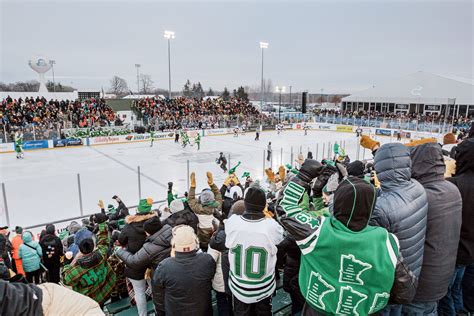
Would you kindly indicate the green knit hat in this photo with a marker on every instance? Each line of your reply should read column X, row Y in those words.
column 111, row 209
column 144, row 206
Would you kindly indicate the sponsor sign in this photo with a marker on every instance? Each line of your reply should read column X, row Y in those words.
column 435, row 108
column 163, row 135
column 402, row 106
column 209, row 132
column 35, row 144
column 385, row 132
column 67, row 142
column 344, row 128
column 137, row 137
column 6, row 147
column 107, row 139
column 405, row 134
column 325, row 126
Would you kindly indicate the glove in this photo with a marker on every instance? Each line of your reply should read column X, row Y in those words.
column 210, row 180
column 235, row 179
column 193, row 180
column 450, row 167
column 375, row 179
column 270, row 175
column 369, row 143
column 101, row 204
column 322, row 180
column 414, row 143
column 309, row 170
column 282, row 173
column 100, row 218
column 227, row 181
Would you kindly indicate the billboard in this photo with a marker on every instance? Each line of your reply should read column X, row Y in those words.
column 35, row 144
column 344, row 128
column 67, row 142
column 385, row 132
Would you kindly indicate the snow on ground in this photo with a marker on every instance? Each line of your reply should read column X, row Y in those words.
column 44, row 186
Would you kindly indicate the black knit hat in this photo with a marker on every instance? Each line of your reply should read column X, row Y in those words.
column 354, row 201
column 255, row 200
column 86, row 246
column 152, row 225
column 356, row 169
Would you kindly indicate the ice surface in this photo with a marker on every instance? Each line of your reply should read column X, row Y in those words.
column 43, row 187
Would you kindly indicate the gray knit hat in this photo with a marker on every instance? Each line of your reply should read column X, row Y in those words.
column 207, row 197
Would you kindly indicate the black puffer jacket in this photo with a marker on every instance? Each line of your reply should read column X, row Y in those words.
column 289, row 248
column 156, row 248
column 443, row 225
column 182, row 285
column 20, row 299
column 133, row 237
column 184, row 217
column 402, row 206
column 464, row 180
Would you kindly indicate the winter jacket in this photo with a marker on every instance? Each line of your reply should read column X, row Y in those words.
column 92, row 275
column 52, row 248
column 30, row 253
column 120, row 212
column 17, row 241
column 59, row 300
column 402, row 205
column 186, row 217
column 217, row 243
column 133, row 237
column 20, row 299
column 443, row 223
column 205, row 214
column 156, row 248
column 218, row 280
column 182, row 284
column 290, row 248
column 464, row 180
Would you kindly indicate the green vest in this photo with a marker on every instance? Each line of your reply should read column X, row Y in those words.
column 347, row 273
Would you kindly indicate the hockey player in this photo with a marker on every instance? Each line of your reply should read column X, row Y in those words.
column 269, row 151
column 356, row 277
column 197, row 141
column 184, row 138
column 252, row 239
column 257, row 134
column 236, row 132
column 151, row 138
column 176, row 136
column 305, row 128
column 278, row 128
column 19, row 145
column 222, row 161
column 358, row 132
column 399, row 135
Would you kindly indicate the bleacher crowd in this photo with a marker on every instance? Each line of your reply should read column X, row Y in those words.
column 389, row 237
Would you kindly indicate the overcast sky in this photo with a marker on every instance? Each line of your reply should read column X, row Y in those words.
column 341, row 46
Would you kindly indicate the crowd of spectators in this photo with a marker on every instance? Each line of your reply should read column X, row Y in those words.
column 195, row 113
column 402, row 226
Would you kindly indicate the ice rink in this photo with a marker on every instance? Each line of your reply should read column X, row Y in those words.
column 44, row 186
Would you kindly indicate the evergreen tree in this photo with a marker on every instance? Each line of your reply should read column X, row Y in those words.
column 225, row 95
column 241, row 94
column 187, row 89
column 210, row 93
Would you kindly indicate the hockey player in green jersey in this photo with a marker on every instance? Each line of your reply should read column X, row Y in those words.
column 152, row 138
column 184, row 139
column 347, row 267
column 197, row 140
column 19, row 145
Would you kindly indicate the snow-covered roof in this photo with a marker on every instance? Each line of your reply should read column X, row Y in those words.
column 46, row 95
column 420, row 87
column 142, row 96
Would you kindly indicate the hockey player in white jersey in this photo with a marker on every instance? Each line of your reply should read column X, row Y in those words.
column 252, row 239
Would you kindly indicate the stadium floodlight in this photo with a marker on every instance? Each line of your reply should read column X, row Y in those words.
column 52, row 63
column 263, row 45
column 169, row 35
column 280, row 90
column 138, row 77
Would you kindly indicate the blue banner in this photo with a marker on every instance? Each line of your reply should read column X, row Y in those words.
column 67, row 142
column 385, row 132
column 35, row 144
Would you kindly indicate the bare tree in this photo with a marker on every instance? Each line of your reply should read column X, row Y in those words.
column 146, row 84
column 118, row 86
column 268, row 90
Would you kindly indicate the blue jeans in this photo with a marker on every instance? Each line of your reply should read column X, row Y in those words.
column 468, row 288
column 452, row 302
column 420, row 309
column 391, row 310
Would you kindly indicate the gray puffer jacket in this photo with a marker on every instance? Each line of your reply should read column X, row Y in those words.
column 156, row 248
column 402, row 206
column 443, row 226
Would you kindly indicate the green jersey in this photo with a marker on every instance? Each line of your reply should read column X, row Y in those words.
column 342, row 272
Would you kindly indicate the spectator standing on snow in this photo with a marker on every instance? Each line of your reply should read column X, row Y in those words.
column 17, row 241
column 30, row 254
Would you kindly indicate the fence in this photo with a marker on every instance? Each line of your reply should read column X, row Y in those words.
column 72, row 196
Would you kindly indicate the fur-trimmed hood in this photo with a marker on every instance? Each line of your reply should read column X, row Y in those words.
column 139, row 217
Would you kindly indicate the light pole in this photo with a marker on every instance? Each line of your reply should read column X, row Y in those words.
column 290, row 96
column 279, row 90
column 169, row 35
column 52, row 63
column 321, row 98
column 138, row 77
column 263, row 45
